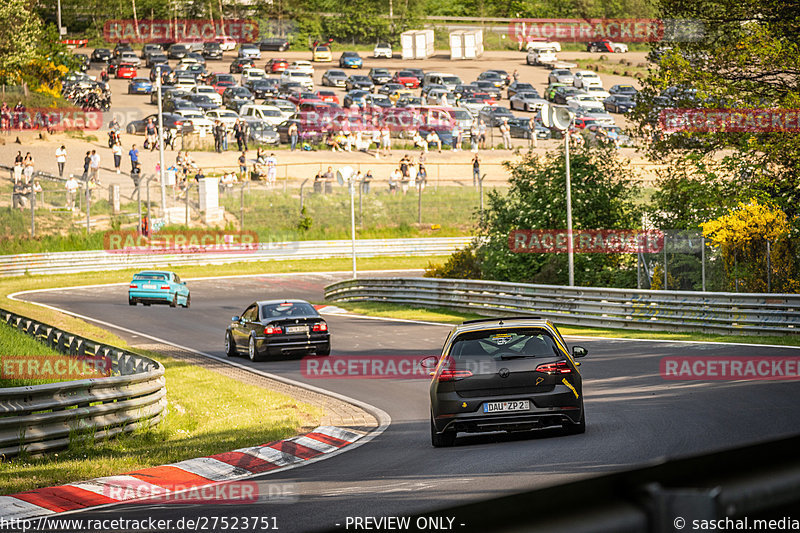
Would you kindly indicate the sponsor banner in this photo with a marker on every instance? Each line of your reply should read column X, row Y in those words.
column 386, row 367
column 599, row 241
column 236, row 492
column 730, row 368
column 54, row 367
column 179, row 30
column 585, row 30
column 58, row 119
column 730, row 120
column 186, row 241
column 373, row 118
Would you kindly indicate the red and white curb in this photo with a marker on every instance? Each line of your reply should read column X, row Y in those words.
column 203, row 471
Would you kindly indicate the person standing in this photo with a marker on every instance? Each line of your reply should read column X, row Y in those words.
column 72, row 187
column 218, row 136
column 473, row 137
column 27, row 170
column 534, row 140
column 61, row 160
column 117, row 151
column 18, row 166
column 87, row 162
column 386, row 139
column 133, row 153
column 456, row 134
column 505, row 131
column 292, row 131
column 482, row 135
column 243, row 165
column 272, row 169
column 94, row 166
column 422, row 176
column 476, row 170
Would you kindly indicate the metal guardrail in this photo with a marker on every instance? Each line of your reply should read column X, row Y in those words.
column 41, row 418
column 87, row 261
column 711, row 312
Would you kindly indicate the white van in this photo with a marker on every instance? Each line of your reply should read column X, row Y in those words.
column 254, row 113
column 541, row 56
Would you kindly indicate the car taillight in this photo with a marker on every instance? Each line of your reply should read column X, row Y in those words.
column 273, row 330
column 133, row 286
column 453, row 375
column 322, row 326
column 559, row 367
column 165, row 287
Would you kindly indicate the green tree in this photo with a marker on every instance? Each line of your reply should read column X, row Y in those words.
column 602, row 198
column 20, row 32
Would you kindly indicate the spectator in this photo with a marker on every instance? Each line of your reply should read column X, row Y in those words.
column 169, row 140
column 218, row 136
column 318, row 181
column 505, row 131
column 473, row 137
column 404, row 166
column 61, row 160
column 87, row 163
column 422, row 176
column 515, row 75
column 37, row 188
column 117, row 151
column 412, row 173
column 199, row 176
column 243, row 165
column 433, row 138
column 292, row 131
column 133, row 153
column 72, row 187
column 613, row 137
column 419, row 141
column 114, row 125
column 272, row 169
column 19, row 195
column 476, row 170
column 224, row 138
column 394, row 177
column 328, row 177
column 365, row 181
column 27, row 170
column 386, row 139
column 534, row 140
column 239, row 133
column 456, row 133
column 482, row 135
column 94, row 166
column 18, row 166
column 150, row 132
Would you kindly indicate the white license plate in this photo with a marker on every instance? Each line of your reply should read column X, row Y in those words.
column 516, row 405
column 149, row 286
column 296, row 329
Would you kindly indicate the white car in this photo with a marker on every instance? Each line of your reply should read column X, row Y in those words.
column 254, row 113
column 302, row 66
column 541, row 56
column 597, row 91
column 252, row 73
column 209, row 91
column 584, row 100
column 130, row 58
column 473, row 105
column 286, row 107
column 187, row 61
column 185, row 82
column 226, row 43
column 543, row 43
column 226, row 116
column 249, row 51
column 585, row 78
column 198, row 120
column 382, row 50
column 302, row 78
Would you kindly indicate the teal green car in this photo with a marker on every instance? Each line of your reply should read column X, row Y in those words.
column 158, row 287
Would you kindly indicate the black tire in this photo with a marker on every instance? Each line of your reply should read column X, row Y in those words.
column 230, row 345
column 130, row 129
column 146, row 305
column 131, row 301
column 188, row 301
column 174, row 302
column 324, row 351
column 252, row 351
column 442, row 440
column 580, row 427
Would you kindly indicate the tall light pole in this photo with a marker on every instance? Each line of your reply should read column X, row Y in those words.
column 161, row 146
column 346, row 174
column 570, row 249
column 59, row 19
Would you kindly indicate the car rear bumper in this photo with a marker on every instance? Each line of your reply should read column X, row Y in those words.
column 150, row 297
column 275, row 347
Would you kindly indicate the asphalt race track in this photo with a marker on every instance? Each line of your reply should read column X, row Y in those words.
column 633, row 415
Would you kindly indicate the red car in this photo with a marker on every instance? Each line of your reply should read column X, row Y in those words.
column 221, row 81
column 406, row 79
column 277, row 65
column 582, row 122
column 328, row 96
column 126, row 71
column 296, row 98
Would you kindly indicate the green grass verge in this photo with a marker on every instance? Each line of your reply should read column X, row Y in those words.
column 449, row 316
column 226, row 416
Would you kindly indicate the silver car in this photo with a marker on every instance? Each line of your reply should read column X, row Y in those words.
column 526, row 102
column 561, row 75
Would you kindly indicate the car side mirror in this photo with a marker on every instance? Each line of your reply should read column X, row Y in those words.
column 235, row 318
column 429, row 363
column 579, row 351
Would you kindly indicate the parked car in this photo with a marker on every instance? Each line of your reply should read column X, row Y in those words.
column 197, row 119
column 354, row 97
column 520, row 128
column 254, row 114
column 328, row 96
column 541, row 56
column 297, row 76
column 263, row 88
column 171, row 122
column 177, row 51
column 526, row 102
column 597, row 91
column 561, row 75
column 125, row 70
column 276, row 65
column 221, row 81
column 163, row 70
column 239, row 64
column 263, row 133
column 350, row 60
column 358, row 81
column 378, row 100
column 102, row 55
column 130, row 58
column 494, row 115
column 226, row 43
column 605, row 45
column 584, row 78
column 630, row 90
column 122, row 47
column 521, row 87
column 379, row 76
column 407, row 78
column 286, row 107
column 235, row 97
column 226, row 116
column 140, row 86
column 209, row 91
column 584, row 100
column 249, row 51
column 274, row 44
column 382, row 50
column 322, row 53
column 158, row 287
column 151, row 48
column 204, row 101
column 334, row 78
column 619, row 103
column 156, row 58
column 562, row 93
column 212, row 50
column 252, row 73
column 492, row 77
column 301, row 66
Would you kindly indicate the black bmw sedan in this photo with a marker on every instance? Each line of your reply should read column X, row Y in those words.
column 508, row 374
column 277, row 327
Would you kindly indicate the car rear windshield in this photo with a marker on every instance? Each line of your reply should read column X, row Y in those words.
column 143, row 277
column 287, row 309
column 532, row 342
